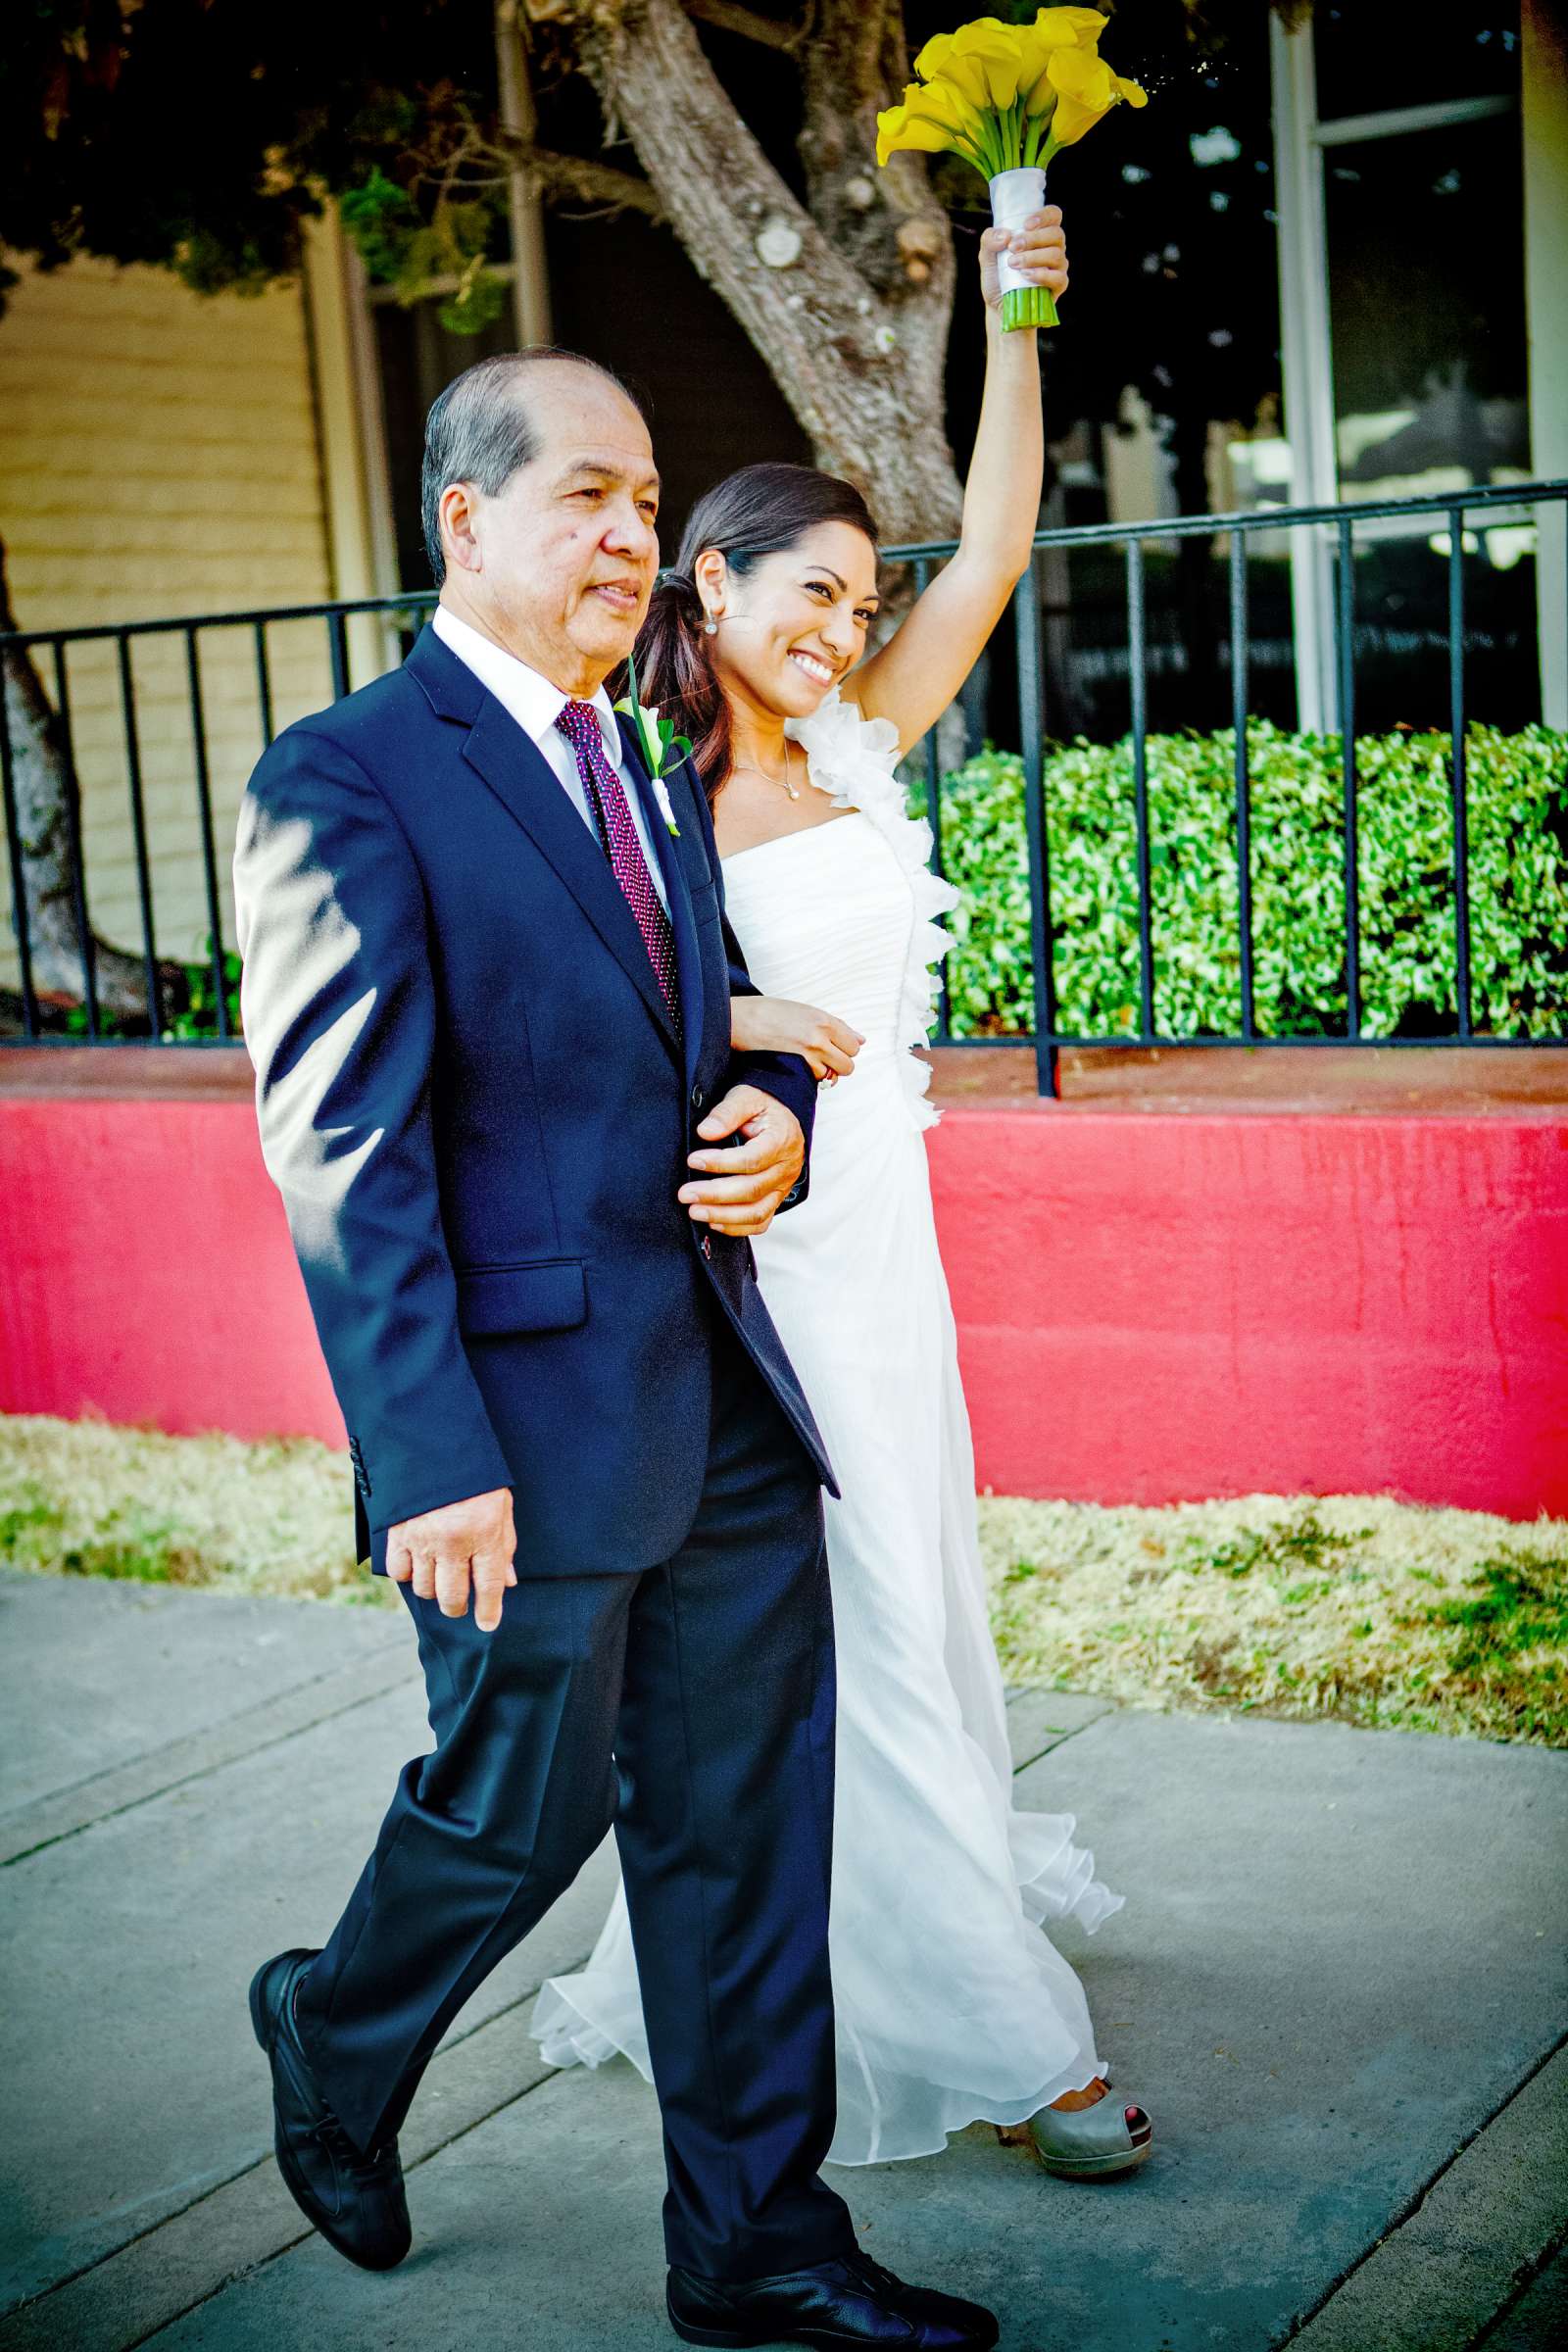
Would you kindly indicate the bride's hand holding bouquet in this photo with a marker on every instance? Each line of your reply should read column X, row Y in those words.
column 1005, row 99
column 1033, row 253
column 1008, row 98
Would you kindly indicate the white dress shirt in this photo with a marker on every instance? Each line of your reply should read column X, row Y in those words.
column 536, row 705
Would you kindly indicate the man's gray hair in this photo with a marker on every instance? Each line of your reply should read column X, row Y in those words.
column 479, row 431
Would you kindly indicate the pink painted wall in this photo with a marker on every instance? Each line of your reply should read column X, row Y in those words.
column 1160, row 1308
column 1153, row 1306
column 146, row 1272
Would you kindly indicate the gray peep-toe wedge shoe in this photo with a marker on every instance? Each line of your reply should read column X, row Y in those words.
column 1087, row 2143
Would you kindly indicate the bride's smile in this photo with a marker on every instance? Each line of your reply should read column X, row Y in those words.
column 791, row 627
column 813, row 669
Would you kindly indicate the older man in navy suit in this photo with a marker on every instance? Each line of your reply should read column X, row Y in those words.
column 487, row 991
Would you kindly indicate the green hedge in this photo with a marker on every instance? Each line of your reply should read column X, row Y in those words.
column 1518, row 824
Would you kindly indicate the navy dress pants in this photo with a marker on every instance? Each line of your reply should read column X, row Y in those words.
column 691, row 1705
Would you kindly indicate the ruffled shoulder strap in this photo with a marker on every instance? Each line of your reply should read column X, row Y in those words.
column 851, row 758
column 855, row 760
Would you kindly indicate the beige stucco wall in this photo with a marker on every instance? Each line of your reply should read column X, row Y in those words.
column 159, row 456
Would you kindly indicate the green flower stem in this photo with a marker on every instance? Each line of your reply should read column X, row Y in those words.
column 999, row 142
column 1028, row 306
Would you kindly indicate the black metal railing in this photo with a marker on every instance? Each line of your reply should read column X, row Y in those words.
column 401, row 611
column 1337, row 523
column 1047, row 1038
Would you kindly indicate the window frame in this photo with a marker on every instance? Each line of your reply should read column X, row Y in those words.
column 1306, row 342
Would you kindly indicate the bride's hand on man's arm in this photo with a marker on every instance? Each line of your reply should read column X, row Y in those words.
column 776, row 1025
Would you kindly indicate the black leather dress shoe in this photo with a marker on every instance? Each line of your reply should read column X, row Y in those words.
column 850, row 2301
column 355, row 2200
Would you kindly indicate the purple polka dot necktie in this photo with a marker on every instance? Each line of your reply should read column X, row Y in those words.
column 607, row 798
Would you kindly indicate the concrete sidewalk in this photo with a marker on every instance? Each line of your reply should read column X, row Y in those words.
column 1338, row 1985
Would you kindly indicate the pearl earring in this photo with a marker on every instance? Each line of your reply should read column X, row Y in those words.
column 710, row 627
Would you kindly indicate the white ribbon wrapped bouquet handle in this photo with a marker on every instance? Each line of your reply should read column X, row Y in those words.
column 1015, row 195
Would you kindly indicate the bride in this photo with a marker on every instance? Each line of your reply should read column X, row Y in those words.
column 951, row 2004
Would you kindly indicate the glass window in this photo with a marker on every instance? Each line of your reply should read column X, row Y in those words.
column 1374, row 58
column 417, row 357
column 1426, row 317
column 1427, row 312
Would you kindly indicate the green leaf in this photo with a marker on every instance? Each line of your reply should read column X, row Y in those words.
column 1519, row 884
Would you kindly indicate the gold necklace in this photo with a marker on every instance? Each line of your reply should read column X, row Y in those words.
column 748, row 769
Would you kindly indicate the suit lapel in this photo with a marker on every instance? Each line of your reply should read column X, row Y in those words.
column 525, row 782
column 528, row 788
column 688, row 953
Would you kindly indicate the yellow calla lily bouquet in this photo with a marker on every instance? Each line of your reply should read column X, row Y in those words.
column 1006, row 98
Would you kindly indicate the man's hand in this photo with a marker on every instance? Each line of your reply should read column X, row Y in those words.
column 757, row 1175
column 440, row 1549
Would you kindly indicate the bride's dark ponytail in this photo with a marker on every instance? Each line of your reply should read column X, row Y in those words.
column 674, row 671
column 752, row 514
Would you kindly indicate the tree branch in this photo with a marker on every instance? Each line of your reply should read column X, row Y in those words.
column 652, row 75
column 857, row 370
column 746, row 22
column 846, row 51
column 887, row 222
column 578, row 178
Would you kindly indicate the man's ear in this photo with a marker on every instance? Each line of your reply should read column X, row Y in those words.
column 459, row 538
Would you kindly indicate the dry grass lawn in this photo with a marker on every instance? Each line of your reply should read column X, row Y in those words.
column 90, row 1498
column 1354, row 1606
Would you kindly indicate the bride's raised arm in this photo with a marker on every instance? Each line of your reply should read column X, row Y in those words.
column 915, row 676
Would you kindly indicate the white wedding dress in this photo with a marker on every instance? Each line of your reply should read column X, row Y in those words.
column 951, row 2004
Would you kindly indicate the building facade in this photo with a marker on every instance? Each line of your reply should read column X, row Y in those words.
column 161, row 453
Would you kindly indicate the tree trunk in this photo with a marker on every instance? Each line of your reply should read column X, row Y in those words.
column 848, row 303
column 48, row 822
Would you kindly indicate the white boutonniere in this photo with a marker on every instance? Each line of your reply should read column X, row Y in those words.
column 661, row 747
column 665, row 810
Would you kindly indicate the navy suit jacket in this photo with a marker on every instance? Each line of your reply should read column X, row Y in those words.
column 473, row 1099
